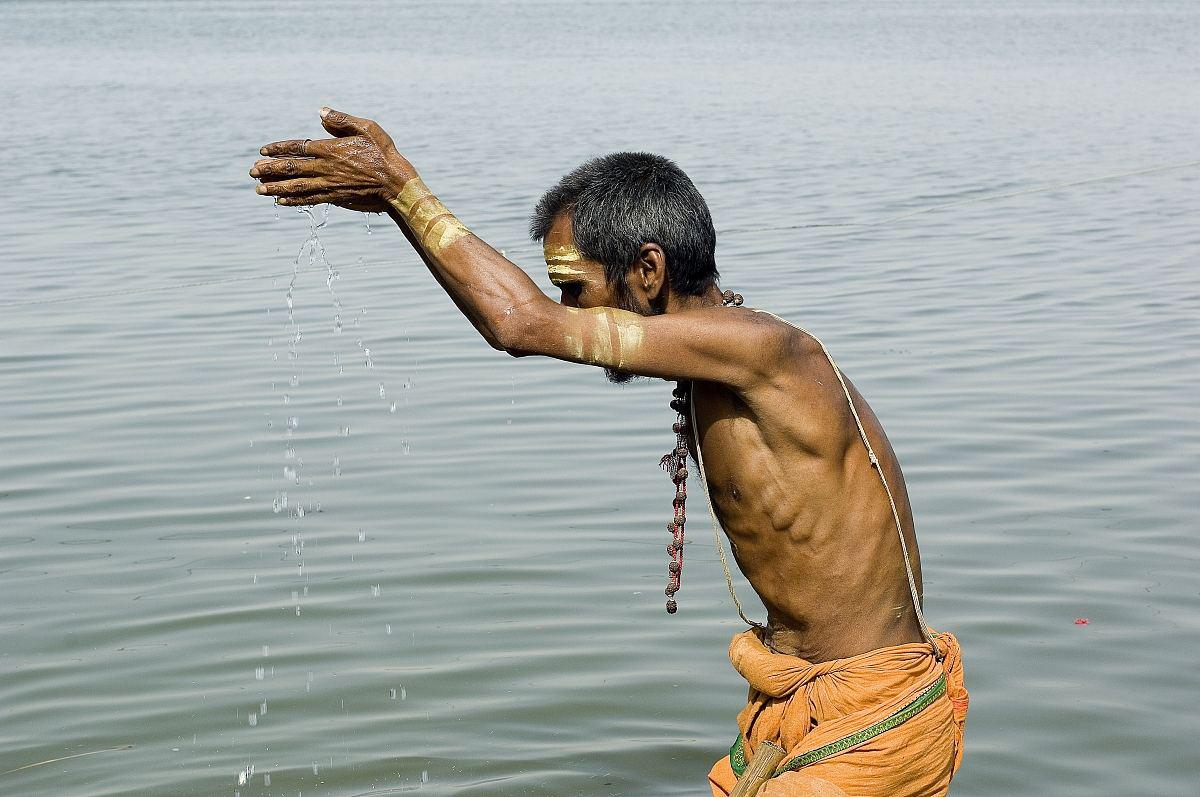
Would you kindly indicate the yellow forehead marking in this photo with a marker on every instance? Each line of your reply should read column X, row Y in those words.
column 562, row 254
column 563, row 273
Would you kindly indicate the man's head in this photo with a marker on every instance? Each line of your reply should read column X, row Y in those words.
column 626, row 230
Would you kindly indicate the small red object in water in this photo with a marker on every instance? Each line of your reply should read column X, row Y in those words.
column 1082, row 621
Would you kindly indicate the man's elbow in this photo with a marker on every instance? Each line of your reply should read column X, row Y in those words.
column 516, row 333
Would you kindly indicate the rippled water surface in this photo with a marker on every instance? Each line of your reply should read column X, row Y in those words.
column 471, row 602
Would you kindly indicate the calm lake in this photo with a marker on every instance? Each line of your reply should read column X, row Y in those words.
column 389, row 559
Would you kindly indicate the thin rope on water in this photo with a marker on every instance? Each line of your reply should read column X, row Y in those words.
column 849, row 225
column 67, row 758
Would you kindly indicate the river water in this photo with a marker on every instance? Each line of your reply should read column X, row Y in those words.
column 472, row 600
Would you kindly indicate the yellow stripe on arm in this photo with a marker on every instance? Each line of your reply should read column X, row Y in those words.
column 603, row 336
column 725, row 345
column 431, row 222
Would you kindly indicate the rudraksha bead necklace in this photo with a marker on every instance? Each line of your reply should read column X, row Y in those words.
column 674, row 463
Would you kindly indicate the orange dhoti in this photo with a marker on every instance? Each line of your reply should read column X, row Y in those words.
column 888, row 722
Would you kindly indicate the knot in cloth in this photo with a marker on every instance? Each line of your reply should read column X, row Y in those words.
column 792, row 698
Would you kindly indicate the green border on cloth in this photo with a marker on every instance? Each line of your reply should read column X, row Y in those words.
column 737, row 753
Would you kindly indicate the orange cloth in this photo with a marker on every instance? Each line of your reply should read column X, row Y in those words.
column 802, row 706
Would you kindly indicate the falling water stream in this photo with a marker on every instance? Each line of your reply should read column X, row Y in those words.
column 298, row 495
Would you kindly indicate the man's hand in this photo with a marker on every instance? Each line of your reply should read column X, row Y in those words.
column 360, row 169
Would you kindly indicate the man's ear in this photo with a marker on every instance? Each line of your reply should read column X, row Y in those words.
column 650, row 271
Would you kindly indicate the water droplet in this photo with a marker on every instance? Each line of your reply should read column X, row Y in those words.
column 391, row 694
column 392, row 409
column 337, row 467
column 266, row 778
column 382, row 391
column 262, row 709
column 388, row 627
column 266, row 650
column 362, row 535
column 253, row 720
column 403, row 693
column 260, row 673
column 375, row 590
column 424, row 775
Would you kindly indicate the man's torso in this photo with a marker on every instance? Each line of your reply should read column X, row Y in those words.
column 807, row 516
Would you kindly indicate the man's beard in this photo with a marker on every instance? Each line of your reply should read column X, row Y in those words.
column 625, row 301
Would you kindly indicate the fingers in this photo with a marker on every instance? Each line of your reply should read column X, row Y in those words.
column 269, row 169
column 295, row 148
column 312, row 199
column 343, row 124
column 290, row 188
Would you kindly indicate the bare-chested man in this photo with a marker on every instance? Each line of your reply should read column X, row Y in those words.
column 849, row 692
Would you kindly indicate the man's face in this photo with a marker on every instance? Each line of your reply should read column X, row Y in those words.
column 583, row 282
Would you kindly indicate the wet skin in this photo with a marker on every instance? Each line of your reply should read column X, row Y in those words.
column 808, row 520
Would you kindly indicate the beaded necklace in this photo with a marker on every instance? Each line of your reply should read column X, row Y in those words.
column 674, row 463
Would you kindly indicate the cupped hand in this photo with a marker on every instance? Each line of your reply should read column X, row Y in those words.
column 359, row 169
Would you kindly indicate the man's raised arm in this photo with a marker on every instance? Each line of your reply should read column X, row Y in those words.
column 361, row 169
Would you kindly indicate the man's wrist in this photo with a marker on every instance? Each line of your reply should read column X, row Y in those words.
column 398, row 172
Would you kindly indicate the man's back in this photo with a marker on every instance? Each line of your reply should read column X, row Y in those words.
column 807, row 517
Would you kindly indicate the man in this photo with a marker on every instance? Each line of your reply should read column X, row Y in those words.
column 845, row 679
